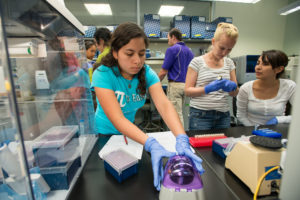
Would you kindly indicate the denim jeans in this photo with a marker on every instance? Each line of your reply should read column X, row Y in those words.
column 208, row 119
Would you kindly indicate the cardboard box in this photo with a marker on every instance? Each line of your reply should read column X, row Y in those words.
column 152, row 25
column 182, row 23
column 89, row 31
column 210, row 29
column 198, row 27
column 164, row 34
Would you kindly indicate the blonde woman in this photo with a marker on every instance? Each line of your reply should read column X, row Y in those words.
column 210, row 80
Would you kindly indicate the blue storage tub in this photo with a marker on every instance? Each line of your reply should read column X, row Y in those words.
column 60, row 177
column 120, row 164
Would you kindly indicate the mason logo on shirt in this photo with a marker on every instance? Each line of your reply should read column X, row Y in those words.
column 123, row 98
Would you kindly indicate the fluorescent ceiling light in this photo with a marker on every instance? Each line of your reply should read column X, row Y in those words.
column 98, row 9
column 293, row 7
column 240, row 1
column 170, row 11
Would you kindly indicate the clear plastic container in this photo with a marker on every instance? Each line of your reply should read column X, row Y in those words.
column 120, row 164
column 46, row 157
column 55, row 137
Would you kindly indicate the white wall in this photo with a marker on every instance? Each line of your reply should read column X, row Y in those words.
column 260, row 26
column 291, row 43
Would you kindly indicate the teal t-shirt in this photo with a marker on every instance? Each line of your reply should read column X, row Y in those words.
column 126, row 93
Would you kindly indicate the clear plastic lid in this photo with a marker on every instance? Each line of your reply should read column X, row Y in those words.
column 55, row 137
column 120, row 160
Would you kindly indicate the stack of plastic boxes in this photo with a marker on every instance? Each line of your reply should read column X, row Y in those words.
column 89, row 31
column 182, row 23
column 198, row 25
column 57, row 154
column 152, row 25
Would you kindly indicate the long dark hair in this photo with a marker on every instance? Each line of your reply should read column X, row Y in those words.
column 88, row 44
column 104, row 34
column 122, row 36
column 276, row 59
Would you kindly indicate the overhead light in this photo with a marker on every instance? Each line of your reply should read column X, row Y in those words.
column 240, row 1
column 170, row 11
column 293, row 7
column 98, row 9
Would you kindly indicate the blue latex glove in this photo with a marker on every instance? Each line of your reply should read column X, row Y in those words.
column 272, row 121
column 229, row 86
column 183, row 148
column 157, row 153
column 214, row 86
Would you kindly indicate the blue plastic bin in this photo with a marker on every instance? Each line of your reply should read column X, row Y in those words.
column 120, row 164
column 60, row 177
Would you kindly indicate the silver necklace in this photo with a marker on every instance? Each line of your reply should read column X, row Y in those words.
column 129, row 84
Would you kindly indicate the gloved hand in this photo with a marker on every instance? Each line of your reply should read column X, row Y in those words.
column 214, row 86
column 272, row 121
column 229, row 86
column 183, row 148
column 157, row 153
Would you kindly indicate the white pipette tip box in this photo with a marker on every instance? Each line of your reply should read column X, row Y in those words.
column 120, row 164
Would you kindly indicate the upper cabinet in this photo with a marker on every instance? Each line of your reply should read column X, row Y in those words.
column 46, row 106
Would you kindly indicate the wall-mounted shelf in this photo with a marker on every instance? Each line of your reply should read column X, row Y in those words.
column 154, row 61
column 190, row 40
column 164, row 40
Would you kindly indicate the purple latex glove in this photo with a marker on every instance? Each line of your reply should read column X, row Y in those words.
column 214, row 86
column 229, row 86
column 272, row 121
column 157, row 153
column 183, row 148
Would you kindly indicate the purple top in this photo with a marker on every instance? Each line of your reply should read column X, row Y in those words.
column 180, row 173
column 177, row 60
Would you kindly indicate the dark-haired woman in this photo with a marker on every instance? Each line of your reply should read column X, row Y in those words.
column 263, row 100
column 90, row 49
column 102, row 37
column 121, row 84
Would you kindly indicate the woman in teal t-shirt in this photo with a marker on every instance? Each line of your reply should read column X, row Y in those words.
column 121, row 84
